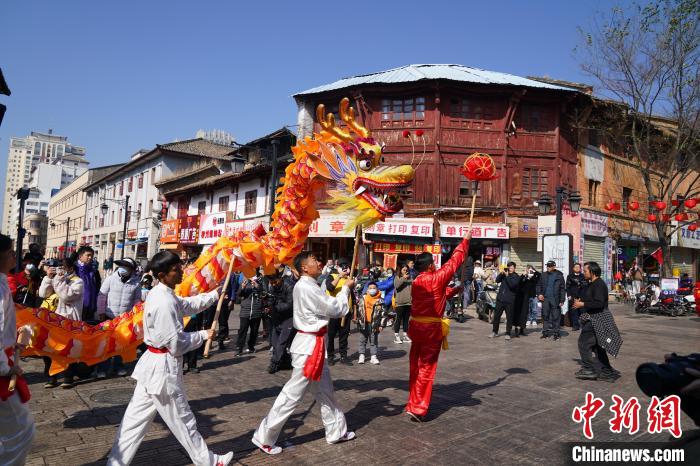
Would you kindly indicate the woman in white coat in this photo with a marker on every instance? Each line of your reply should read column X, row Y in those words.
column 69, row 288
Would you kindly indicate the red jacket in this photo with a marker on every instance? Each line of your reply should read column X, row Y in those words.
column 16, row 281
column 429, row 295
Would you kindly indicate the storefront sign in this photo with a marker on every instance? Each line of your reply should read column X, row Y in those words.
column 521, row 227
column 390, row 261
column 189, row 229
column 546, row 225
column 331, row 226
column 403, row 227
column 688, row 239
column 248, row 224
column 397, row 248
column 131, row 234
column 479, row 230
column 144, row 232
column 594, row 224
column 169, row 231
column 211, row 227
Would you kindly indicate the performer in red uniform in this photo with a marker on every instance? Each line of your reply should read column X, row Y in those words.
column 426, row 328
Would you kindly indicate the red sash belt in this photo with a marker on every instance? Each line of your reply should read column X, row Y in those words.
column 314, row 364
column 153, row 349
column 21, row 387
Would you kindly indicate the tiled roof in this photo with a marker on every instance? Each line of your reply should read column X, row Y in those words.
column 212, row 181
column 199, row 146
column 412, row 73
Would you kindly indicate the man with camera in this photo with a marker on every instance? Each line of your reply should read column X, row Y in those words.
column 339, row 326
column 280, row 298
column 251, row 313
column 505, row 301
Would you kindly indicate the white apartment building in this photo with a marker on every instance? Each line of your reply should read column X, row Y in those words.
column 106, row 197
column 66, row 226
column 24, row 156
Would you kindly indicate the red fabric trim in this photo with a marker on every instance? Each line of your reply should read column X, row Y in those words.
column 314, row 363
column 21, row 387
column 157, row 350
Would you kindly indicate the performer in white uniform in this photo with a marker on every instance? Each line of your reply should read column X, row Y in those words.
column 158, row 373
column 312, row 310
column 16, row 422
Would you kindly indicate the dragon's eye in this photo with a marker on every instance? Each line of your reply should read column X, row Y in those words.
column 365, row 164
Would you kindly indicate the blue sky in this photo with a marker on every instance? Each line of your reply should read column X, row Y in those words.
column 122, row 75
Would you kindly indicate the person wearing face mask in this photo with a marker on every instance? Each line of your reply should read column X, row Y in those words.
column 387, row 287
column 368, row 318
column 119, row 293
column 339, row 326
column 529, row 290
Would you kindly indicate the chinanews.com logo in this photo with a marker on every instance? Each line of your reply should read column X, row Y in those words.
column 660, row 416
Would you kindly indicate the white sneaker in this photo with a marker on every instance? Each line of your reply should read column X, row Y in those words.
column 493, row 335
column 374, row 360
column 345, row 438
column 406, row 339
column 269, row 449
column 361, row 360
column 397, row 339
column 223, row 460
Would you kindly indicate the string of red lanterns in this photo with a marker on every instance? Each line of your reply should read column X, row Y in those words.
column 633, row 206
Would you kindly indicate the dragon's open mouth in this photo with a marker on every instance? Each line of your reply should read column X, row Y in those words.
column 384, row 197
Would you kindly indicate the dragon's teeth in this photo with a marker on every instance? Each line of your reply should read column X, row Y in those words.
column 360, row 190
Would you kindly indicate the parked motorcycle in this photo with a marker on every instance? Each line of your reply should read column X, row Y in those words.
column 455, row 309
column 650, row 301
column 486, row 302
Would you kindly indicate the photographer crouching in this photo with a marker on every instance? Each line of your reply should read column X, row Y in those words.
column 279, row 300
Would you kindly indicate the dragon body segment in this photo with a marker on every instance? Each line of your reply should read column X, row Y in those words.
column 345, row 161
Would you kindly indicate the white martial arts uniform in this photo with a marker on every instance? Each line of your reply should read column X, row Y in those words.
column 160, row 387
column 16, row 421
column 312, row 309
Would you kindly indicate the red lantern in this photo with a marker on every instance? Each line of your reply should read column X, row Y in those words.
column 406, row 133
column 674, row 203
column 679, row 217
column 692, row 227
column 609, row 206
column 666, row 217
column 691, row 203
column 660, row 205
column 652, row 217
column 479, row 167
column 419, row 132
column 634, row 205
column 617, row 206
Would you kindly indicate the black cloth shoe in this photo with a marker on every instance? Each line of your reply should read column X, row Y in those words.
column 586, row 375
column 68, row 382
column 222, row 346
column 194, row 370
column 272, row 368
column 345, row 361
column 544, row 335
column 556, row 337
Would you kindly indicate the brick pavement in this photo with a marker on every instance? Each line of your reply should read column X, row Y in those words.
column 494, row 401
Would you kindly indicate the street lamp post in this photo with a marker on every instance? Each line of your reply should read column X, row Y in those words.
column 562, row 195
column 104, row 208
column 65, row 244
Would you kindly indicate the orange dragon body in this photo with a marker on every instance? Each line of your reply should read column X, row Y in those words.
column 345, row 161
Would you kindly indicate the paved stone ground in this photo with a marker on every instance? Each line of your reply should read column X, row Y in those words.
column 494, row 401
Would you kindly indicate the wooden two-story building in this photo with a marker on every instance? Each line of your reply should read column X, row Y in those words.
column 524, row 124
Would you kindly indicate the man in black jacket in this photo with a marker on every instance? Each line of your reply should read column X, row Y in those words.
column 281, row 319
column 592, row 304
column 575, row 283
column 551, row 292
column 251, row 313
column 505, row 300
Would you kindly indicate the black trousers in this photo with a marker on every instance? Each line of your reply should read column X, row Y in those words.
column 403, row 314
column 593, row 356
column 334, row 328
column 500, row 307
column 574, row 316
column 223, row 323
column 195, row 324
column 282, row 335
column 551, row 318
column 248, row 324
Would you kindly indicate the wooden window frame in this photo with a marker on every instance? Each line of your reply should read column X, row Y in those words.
column 409, row 110
column 542, row 182
column 223, row 203
column 250, row 205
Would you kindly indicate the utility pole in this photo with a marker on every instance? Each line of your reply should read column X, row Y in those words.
column 126, row 222
column 65, row 246
column 273, row 181
column 22, row 195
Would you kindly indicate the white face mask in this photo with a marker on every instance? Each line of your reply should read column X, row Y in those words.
column 372, row 292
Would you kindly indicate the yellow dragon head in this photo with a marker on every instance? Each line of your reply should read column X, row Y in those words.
column 350, row 161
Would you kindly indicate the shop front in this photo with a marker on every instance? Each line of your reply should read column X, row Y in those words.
column 329, row 239
column 170, row 236
column 684, row 253
column 487, row 243
column 189, row 235
column 397, row 240
column 522, row 247
column 635, row 240
column 594, row 228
